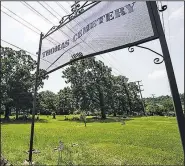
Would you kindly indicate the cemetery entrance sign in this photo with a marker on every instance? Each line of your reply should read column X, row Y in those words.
column 97, row 27
column 105, row 27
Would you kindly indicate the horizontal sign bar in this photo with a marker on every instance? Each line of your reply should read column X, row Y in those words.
column 106, row 27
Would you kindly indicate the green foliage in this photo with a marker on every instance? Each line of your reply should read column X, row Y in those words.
column 89, row 80
column 47, row 102
column 65, row 101
column 93, row 89
column 17, row 83
column 154, row 109
column 182, row 98
column 162, row 105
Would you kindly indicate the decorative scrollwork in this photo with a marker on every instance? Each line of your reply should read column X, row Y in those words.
column 77, row 8
column 156, row 60
column 52, row 29
column 131, row 49
column 163, row 8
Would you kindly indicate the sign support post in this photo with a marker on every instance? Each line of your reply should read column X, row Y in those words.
column 171, row 77
column 140, row 92
column 153, row 22
column 34, row 101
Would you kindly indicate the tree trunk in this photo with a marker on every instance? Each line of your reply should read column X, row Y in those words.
column 103, row 115
column 128, row 111
column 102, row 104
column 123, row 107
column 112, row 107
column 128, row 99
column 7, row 113
column 17, row 114
column 54, row 116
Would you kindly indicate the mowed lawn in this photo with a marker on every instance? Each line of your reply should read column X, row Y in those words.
column 141, row 141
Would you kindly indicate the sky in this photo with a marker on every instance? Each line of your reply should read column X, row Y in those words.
column 136, row 66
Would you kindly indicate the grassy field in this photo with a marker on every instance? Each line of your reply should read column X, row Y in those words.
column 141, row 141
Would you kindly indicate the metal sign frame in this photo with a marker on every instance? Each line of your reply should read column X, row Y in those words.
column 79, row 10
column 158, row 34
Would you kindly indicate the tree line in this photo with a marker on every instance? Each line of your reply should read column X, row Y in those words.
column 92, row 88
column 17, row 81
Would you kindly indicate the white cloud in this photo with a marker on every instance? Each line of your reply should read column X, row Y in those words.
column 157, row 74
column 178, row 14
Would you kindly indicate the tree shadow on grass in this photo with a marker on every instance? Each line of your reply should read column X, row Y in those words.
column 99, row 120
column 28, row 121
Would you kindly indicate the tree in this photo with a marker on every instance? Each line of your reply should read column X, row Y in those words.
column 182, row 100
column 89, row 80
column 65, row 101
column 18, row 75
column 47, row 102
column 162, row 105
column 136, row 103
column 168, row 105
column 119, row 97
column 94, row 89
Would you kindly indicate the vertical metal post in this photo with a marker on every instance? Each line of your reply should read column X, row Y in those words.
column 1, row 95
column 153, row 95
column 34, row 101
column 128, row 98
column 171, row 76
column 143, row 103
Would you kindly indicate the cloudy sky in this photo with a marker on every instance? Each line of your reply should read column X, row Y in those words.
column 136, row 66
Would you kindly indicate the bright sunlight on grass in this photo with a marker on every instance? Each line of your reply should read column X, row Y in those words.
column 142, row 140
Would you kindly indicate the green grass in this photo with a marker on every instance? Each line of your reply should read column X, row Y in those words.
column 141, row 141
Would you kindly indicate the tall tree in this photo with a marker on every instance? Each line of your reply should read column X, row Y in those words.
column 47, row 102
column 18, row 75
column 89, row 80
column 135, row 99
column 65, row 101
